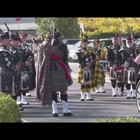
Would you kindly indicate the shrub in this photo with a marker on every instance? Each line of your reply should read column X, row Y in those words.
column 9, row 110
column 118, row 120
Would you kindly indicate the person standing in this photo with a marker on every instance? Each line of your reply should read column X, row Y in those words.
column 52, row 75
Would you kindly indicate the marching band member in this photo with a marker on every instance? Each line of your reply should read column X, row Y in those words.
column 116, row 66
column 101, row 53
column 89, row 74
column 28, row 56
column 85, row 71
column 7, row 66
column 52, row 75
column 18, row 59
column 128, row 55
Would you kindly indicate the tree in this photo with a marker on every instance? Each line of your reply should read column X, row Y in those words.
column 44, row 25
column 68, row 27
column 97, row 26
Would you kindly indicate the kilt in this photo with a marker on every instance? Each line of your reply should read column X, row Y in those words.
column 6, row 81
column 57, row 78
column 17, row 80
column 31, row 81
column 103, row 77
column 32, row 77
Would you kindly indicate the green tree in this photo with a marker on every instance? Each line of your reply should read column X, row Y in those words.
column 68, row 27
column 44, row 25
column 98, row 26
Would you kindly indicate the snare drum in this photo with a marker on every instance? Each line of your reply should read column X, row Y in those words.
column 119, row 75
column 112, row 74
column 103, row 65
column 131, row 78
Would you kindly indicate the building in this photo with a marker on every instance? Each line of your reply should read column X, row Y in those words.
column 25, row 25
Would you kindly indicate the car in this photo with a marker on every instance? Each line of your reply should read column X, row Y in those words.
column 137, row 42
column 72, row 56
column 107, row 42
column 70, row 42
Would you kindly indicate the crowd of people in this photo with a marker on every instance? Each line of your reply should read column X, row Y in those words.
column 18, row 75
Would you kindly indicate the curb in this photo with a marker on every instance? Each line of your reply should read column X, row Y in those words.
column 24, row 121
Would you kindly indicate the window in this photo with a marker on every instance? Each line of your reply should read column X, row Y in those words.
column 71, row 42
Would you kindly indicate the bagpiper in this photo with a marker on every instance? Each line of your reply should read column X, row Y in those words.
column 18, row 60
column 101, row 54
column 28, row 56
column 129, row 53
column 7, row 67
column 89, row 74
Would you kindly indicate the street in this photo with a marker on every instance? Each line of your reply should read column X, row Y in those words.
column 104, row 106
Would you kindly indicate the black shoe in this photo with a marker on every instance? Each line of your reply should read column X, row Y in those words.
column 133, row 97
column 29, row 95
column 55, row 115
column 90, row 99
column 102, row 92
column 69, row 114
column 82, row 99
column 114, row 95
column 128, row 97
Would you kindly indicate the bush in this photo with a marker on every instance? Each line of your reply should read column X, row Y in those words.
column 9, row 110
column 118, row 120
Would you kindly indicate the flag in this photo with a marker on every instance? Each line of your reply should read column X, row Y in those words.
column 137, row 59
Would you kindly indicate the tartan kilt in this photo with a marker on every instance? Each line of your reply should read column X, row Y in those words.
column 17, row 80
column 57, row 78
column 58, row 81
column 32, row 82
column 32, row 76
column 98, row 80
column 6, row 83
column 103, row 77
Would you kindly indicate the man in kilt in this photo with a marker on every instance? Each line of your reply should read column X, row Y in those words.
column 28, row 57
column 101, row 54
column 116, row 66
column 88, row 72
column 18, row 60
column 129, row 54
column 52, row 75
column 7, row 67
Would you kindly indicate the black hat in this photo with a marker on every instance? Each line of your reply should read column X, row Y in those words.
column 115, row 36
column 57, row 34
column 5, row 36
column 14, row 38
column 129, row 38
column 96, row 40
column 24, row 35
column 84, row 40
